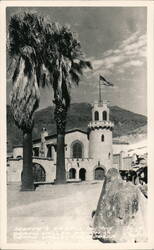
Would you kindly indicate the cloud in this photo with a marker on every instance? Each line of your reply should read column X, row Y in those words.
column 131, row 52
column 133, row 63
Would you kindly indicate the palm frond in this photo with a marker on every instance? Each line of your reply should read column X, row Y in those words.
column 74, row 77
column 24, row 98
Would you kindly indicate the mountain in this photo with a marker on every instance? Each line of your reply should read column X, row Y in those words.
column 79, row 114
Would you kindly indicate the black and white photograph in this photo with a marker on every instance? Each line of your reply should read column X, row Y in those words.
column 77, row 114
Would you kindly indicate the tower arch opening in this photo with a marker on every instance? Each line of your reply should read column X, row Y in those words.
column 96, row 114
column 104, row 115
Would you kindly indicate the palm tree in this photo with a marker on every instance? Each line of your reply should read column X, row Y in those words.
column 25, row 44
column 64, row 61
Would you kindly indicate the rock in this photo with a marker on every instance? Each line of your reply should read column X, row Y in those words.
column 116, row 218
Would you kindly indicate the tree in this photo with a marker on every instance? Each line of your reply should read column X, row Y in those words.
column 25, row 45
column 64, row 61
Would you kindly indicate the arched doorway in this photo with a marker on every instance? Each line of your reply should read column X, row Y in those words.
column 99, row 173
column 82, row 174
column 38, row 173
column 72, row 173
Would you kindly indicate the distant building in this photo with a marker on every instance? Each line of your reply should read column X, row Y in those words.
column 87, row 155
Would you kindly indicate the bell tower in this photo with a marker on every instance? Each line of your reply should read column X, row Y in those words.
column 100, row 134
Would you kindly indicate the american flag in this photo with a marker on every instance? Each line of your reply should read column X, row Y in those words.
column 105, row 82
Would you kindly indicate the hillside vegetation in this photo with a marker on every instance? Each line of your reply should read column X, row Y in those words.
column 79, row 115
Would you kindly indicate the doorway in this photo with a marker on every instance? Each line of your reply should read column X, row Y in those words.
column 99, row 173
column 82, row 174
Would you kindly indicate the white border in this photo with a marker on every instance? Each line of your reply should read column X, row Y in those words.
column 150, row 95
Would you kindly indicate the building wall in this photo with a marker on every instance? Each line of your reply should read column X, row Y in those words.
column 116, row 161
column 49, row 141
column 70, row 138
column 127, row 162
column 101, row 150
column 14, row 169
column 17, row 151
column 100, row 107
column 77, row 136
column 87, row 164
column 119, row 147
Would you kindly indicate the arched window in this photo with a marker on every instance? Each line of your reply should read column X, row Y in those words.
column 109, row 155
column 77, row 150
column 102, row 138
column 104, row 115
column 96, row 116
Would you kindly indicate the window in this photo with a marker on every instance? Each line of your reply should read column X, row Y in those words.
column 36, row 151
column 77, row 150
column 96, row 116
column 104, row 115
column 102, row 138
column 109, row 155
column 72, row 173
column 49, row 152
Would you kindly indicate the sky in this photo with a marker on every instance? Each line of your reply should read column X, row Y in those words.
column 114, row 40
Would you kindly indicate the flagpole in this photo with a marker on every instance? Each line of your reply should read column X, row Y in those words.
column 99, row 91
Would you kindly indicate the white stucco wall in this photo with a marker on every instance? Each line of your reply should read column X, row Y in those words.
column 100, row 108
column 15, row 169
column 139, row 148
column 117, row 148
column 87, row 164
column 17, row 151
column 48, row 141
column 99, row 149
column 76, row 136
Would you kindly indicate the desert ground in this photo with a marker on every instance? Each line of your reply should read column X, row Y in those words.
column 57, row 214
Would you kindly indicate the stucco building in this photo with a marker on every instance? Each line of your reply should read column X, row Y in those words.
column 88, row 155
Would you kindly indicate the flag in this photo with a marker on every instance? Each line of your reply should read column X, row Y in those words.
column 105, row 82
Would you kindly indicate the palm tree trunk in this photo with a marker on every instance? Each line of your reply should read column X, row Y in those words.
column 27, row 174
column 60, row 118
column 60, row 170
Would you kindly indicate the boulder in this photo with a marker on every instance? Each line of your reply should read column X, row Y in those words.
column 118, row 217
